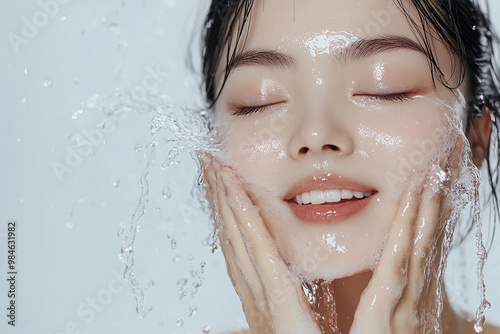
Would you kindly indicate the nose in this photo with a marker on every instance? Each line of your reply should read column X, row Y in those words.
column 320, row 135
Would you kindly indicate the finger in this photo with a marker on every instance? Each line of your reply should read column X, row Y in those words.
column 247, row 281
column 235, row 238
column 260, row 245
column 422, row 255
column 389, row 279
column 286, row 307
column 428, row 231
column 235, row 273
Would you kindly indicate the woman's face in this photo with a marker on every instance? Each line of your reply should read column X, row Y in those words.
column 347, row 111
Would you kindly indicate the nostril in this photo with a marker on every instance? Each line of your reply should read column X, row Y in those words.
column 303, row 150
column 331, row 147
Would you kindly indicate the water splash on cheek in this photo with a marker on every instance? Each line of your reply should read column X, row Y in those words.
column 383, row 139
column 462, row 191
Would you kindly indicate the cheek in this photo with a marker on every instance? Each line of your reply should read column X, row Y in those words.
column 256, row 149
column 408, row 142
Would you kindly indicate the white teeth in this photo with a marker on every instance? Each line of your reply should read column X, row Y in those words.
column 333, row 195
column 358, row 194
column 306, row 198
column 346, row 193
column 329, row 196
column 299, row 199
column 317, row 197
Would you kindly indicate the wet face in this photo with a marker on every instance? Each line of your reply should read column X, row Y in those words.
column 329, row 108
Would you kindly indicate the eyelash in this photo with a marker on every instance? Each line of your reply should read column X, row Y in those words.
column 398, row 97
column 249, row 110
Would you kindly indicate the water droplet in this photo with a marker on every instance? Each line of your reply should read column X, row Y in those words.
column 122, row 44
column 114, row 28
column 173, row 243
column 23, row 100
column 116, row 183
column 101, row 125
column 206, row 329
column 180, row 322
column 167, row 193
column 192, row 310
column 47, row 82
column 121, row 229
column 76, row 113
column 478, row 327
column 63, row 18
column 182, row 282
column 26, row 70
column 18, row 140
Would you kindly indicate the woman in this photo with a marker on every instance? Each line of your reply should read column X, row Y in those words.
column 350, row 132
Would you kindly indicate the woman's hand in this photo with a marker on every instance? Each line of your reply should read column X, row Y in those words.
column 272, row 299
column 401, row 294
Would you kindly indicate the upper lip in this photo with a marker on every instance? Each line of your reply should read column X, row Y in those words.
column 331, row 182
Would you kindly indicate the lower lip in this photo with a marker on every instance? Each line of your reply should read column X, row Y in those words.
column 328, row 213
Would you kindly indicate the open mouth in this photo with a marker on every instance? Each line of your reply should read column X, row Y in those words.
column 325, row 207
column 328, row 199
column 331, row 196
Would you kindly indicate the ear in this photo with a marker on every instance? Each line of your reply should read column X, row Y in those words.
column 479, row 136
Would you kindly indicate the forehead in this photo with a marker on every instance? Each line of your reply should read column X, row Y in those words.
column 312, row 23
column 307, row 29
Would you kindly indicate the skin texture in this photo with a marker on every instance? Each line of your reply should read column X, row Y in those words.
column 323, row 116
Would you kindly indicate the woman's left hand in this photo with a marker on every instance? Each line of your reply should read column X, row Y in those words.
column 401, row 294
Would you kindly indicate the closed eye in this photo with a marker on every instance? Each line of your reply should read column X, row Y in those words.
column 253, row 109
column 397, row 97
column 249, row 110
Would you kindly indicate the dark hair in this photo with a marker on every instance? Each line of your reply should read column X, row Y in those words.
column 460, row 24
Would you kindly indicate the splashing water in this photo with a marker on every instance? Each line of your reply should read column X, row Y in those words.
column 320, row 296
column 181, row 132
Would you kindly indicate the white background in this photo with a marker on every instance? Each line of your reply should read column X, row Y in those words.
column 52, row 88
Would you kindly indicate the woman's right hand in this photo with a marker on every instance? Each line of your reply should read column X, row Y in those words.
column 273, row 300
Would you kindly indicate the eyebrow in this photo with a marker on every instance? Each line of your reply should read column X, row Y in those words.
column 360, row 49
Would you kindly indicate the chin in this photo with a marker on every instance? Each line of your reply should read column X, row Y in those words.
column 320, row 260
